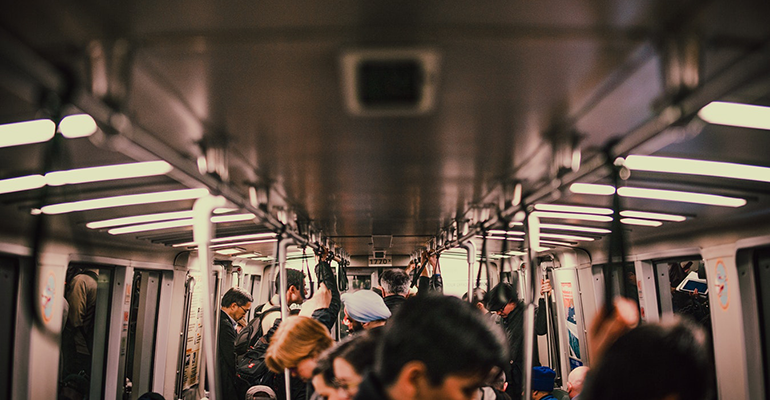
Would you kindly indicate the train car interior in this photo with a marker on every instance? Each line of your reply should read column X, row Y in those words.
column 154, row 154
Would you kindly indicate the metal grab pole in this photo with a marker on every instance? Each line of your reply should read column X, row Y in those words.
column 283, row 244
column 202, row 232
column 471, row 249
column 532, row 228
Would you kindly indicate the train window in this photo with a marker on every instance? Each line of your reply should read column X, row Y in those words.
column 9, row 271
column 357, row 282
column 88, row 292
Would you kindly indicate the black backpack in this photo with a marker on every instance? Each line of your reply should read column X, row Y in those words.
column 249, row 335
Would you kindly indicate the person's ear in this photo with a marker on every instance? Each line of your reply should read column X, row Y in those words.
column 411, row 380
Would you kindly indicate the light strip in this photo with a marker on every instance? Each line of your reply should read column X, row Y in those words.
column 574, row 228
column 557, row 243
column 566, row 237
column 77, row 126
column 27, row 132
column 684, row 197
column 139, row 219
column 229, row 252
column 502, row 232
column 231, row 238
column 232, row 218
column 510, row 239
column 126, row 200
column 151, row 227
column 652, row 215
column 592, row 188
column 219, row 246
column 573, row 209
column 21, row 183
column 581, row 217
column 736, row 114
column 698, row 167
column 108, row 173
column 641, row 222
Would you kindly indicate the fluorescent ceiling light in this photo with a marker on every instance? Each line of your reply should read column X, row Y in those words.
column 684, row 197
column 249, row 256
column 150, row 227
column 140, row 219
column 21, row 183
column 233, row 238
column 510, row 239
column 557, row 243
column 224, row 210
column 566, row 237
column 232, row 218
column 517, row 253
column 591, row 188
column 268, row 258
column 126, row 200
column 27, row 132
column 502, row 232
column 736, row 114
column 219, row 246
column 698, row 167
column 574, row 228
column 652, row 215
column 573, row 209
column 581, row 217
column 229, row 252
column 77, row 126
column 641, row 222
column 108, row 173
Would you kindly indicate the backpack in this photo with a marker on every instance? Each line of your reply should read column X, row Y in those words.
column 249, row 335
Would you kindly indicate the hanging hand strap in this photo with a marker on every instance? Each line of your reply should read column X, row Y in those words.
column 306, row 265
column 482, row 260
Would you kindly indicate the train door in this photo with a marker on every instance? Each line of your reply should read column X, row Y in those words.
column 9, row 280
column 85, row 340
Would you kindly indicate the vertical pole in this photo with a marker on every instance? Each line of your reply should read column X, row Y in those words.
column 532, row 229
column 471, row 249
column 202, row 232
column 283, row 244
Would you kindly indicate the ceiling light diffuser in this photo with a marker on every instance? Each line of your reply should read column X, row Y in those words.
column 27, row 132
column 684, row 197
column 573, row 209
column 22, row 183
column 652, row 215
column 581, row 217
column 592, row 188
column 151, row 227
column 125, row 200
column 640, row 222
column 77, row 126
column 139, row 219
column 219, row 246
column 697, row 167
column 575, row 228
column 736, row 114
column 567, row 237
column 232, row 218
column 557, row 243
column 108, row 173
column 229, row 252
column 502, row 232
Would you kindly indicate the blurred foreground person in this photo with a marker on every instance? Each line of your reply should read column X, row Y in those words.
column 575, row 381
column 435, row 347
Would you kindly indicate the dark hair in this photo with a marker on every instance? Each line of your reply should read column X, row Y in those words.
column 500, row 295
column 446, row 334
column 236, row 295
column 653, row 361
column 325, row 362
column 395, row 281
column 294, row 277
column 361, row 350
column 152, row 396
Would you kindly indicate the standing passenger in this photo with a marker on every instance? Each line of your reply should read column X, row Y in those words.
column 364, row 309
column 78, row 335
column 395, row 287
column 235, row 304
column 435, row 348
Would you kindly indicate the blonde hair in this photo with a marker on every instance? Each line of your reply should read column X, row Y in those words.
column 297, row 338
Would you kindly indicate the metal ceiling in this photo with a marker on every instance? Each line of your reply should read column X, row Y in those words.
column 519, row 84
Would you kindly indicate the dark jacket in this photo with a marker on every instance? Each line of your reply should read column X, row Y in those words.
column 393, row 302
column 513, row 325
column 226, row 357
column 371, row 389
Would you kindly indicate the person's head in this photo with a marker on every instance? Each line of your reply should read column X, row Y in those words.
column 438, row 347
column 296, row 344
column 502, row 299
column 236, row 303
column 499, row 382
column 151, row 396
column 575, row 381
column 394, row 281
column 295, row 285
column 364, row 309
column 542, row 382
column 323, row 379
column 670, row 360
column 479, row 296
column 355, row 358
column 260, row 392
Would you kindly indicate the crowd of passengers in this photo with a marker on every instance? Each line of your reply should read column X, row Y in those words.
column 405, row 344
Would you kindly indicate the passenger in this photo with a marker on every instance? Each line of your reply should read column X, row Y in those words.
column 395, row 287
column 323, row 374
column 151, row 396
column 430, row 278
column 235, row 304
column 668, row 360
column 503, row 300
column 435, row 347
column 479, row 296
column 78, row 335
column 575, row 381
column 542, row 383
column 364, row 309
column 295, row 294
column 260, row 392
column 354, row 360
column 495, row 390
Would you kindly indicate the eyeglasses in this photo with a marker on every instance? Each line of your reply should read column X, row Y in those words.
column 245, row 311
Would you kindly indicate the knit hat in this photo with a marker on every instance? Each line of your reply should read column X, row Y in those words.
column 365, row 306
column 260, row 392
column 542, row 379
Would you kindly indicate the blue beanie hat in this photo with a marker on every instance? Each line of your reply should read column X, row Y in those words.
column 542, row 379
column 365, row 306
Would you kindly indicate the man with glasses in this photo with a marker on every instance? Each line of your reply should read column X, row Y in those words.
column 235, row 304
